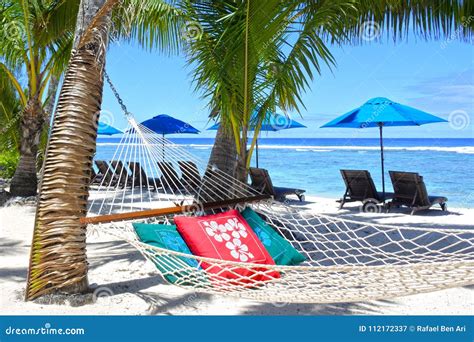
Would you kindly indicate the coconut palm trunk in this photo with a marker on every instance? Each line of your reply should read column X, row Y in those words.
column 24, row 181
column 52, row 92
column 223, row 157
column 223, row 154
column 58, row 261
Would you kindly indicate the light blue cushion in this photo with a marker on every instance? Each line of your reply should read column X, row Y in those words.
column 282, row 252
column 167, row 237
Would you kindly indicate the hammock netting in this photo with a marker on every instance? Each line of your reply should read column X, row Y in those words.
column 346, row 260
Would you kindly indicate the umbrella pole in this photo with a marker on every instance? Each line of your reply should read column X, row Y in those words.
column 256, row 151
column 382, row 160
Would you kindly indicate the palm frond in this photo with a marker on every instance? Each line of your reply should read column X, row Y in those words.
column 10, row 110
column 153, row 24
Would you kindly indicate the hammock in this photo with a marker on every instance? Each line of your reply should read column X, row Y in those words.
column 345, row 260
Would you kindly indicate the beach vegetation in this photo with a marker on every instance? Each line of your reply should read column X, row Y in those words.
column 154, row 25
column 35, row 45
column 248, row 54
column 255, row 56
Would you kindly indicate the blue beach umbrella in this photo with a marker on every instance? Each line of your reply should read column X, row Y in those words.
column 381, row 112
column 273, row 122
column 106, row 129
column 165, row 124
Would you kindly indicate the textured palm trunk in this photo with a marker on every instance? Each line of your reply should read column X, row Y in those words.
column 24, row 181
column 52, row 91
column 58, row 261
column 48, row 113
column 224, row 152
column 223, row 157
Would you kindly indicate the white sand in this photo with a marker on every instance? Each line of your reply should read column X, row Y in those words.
column 135, row 288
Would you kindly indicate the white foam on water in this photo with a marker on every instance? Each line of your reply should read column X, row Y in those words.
column 198, row 145
column 301, row 148
column 320, row 148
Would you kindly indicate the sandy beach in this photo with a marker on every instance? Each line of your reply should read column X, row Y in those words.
column 124, row 283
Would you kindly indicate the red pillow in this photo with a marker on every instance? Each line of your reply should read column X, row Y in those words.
column 226, row 236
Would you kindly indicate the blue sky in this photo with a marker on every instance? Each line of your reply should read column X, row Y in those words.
column 434, row 76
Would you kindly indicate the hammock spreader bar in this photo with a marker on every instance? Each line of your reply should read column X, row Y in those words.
column 170, row 210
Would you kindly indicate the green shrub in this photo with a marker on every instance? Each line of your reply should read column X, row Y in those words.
column 8, row 163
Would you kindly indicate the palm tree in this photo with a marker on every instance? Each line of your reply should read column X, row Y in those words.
column 36, row 42
column 58, row 259
column 10, row 109
column 244, row 62
column 255, row 56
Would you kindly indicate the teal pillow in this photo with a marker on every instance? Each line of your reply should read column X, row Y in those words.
column 282, row 252
column 165, row 236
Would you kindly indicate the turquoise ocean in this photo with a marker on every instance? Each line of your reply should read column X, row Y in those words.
column 313, row 164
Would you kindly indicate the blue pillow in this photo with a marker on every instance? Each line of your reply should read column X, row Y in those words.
column 167, row 237
column 282, row 252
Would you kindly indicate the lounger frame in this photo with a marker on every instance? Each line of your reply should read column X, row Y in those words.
column 262, row 182
column 360, row 187
column 410, row 191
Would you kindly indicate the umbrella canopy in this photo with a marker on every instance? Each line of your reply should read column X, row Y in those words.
column 165, row 124
column 106, row 129
column 382, row 112
column 273, row 122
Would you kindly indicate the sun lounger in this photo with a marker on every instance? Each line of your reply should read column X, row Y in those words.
column 410, row 191
column 262, row 182
column 190, row 176
column 96, row 177
column 360, row 187
column 169, row 177
column 121, row 173
column 107, row 173
column 141, row 179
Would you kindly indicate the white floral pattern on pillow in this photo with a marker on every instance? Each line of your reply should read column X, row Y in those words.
column 236, row 228
column 220, row 233
column 239, row 250
column 217, row 231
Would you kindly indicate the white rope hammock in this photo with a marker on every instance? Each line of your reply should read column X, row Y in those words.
column 345, row 260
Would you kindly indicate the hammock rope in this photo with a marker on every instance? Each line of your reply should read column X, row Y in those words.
column 345, row 260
